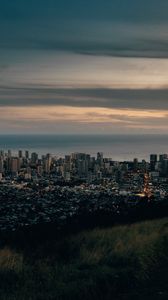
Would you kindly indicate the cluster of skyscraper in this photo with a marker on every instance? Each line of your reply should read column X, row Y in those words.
column 13, row 165
column 159, row 164
column 75, row 166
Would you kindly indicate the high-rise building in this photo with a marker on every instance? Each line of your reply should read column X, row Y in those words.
column 20, row 155
column 9, row 154
column 47, row 163
column 67, row 158
column 153, row 161
column 100, row 159
column 144, row 166
column 1, row 164
column 80, row 164
column 40, row 170
column 162, row 157
column 164, row 167
column 34, row 158
column 15, row 165
column 2, row 153
column 27, row 154
column 135, row 164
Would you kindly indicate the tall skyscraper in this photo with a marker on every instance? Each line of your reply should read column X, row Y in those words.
column 47, row 163
column 100, row 159
column 9, row 153
column 162, row 157
column 1, row 164
column 27, row 154
column 34, row 158
column 2, row 153
column 15, row 165
column 135, row 164
column 164, row 167
column 153, row 161
column 20, row 154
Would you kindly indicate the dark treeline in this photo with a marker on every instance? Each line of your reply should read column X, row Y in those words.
column 32, row 235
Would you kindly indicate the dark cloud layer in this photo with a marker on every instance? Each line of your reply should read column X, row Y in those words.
column 97, row 27
column 93, row 97
column 48, row 46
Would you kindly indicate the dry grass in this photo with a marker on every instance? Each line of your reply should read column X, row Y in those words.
column 10, row 260
column 94, row 264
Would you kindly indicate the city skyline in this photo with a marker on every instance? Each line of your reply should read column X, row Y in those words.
column 83, row 67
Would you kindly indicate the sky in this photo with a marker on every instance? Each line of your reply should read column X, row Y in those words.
column 83, row 66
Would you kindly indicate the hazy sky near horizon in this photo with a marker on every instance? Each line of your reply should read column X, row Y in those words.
column 83, row 66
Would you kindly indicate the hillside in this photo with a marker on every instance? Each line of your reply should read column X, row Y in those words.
column 122, row 262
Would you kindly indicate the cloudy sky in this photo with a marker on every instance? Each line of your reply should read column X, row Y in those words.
column 83, row 66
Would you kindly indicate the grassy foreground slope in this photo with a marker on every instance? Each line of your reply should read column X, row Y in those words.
column 123, row 262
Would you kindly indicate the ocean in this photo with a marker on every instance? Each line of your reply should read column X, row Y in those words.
column 118, row 147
